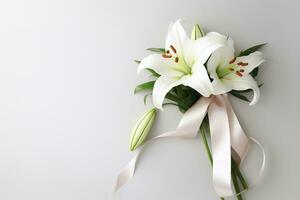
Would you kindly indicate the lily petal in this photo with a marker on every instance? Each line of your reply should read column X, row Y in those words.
column 199, row 80
column 242, row 83
column 205, row 46
column 221, row 57
column 159, row 64
column 220, row 86
column 178, row 38
column 253, row 60
column 162, row 86
column 214, row 62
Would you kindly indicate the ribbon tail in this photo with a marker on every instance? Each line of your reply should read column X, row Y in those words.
column 126, row 173
column 240, row 142
column 221, row 146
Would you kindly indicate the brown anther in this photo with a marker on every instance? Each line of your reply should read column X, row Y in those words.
column 239, row 73
column 232, row 61
column 242, row 64
column 176, row 59
column 166, row 56
column 168, row 51
column 231, row 69
column 241, row 70
column 173, row 49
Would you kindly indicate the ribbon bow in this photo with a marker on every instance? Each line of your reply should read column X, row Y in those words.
column 227, row 139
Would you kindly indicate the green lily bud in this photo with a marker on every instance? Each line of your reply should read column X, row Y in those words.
column 197, row 32
column 142, row 129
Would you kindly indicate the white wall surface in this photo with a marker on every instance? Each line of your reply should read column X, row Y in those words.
column 67, row 106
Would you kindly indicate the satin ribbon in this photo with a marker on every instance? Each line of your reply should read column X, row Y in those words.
column 227, row 139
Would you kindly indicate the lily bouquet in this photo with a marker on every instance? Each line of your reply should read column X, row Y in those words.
column 196, row 74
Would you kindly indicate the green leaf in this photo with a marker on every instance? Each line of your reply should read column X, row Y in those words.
column 254, row 72
column 260, row 85
column 239, row 95
column 183, row 96
column 157, row 50
column 191, row 99
column 153, row 73
column 171, row 96
column 181, row 93
column 252, row 49
column 137, row 61
column 144, row 86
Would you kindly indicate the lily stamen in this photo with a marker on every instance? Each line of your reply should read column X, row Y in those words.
column 173, row 49
column 166, row 56
column 173, row 55
column 232, row 61
column 242, row 64
column 239, row 73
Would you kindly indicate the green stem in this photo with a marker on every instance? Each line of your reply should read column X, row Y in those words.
column 206, row 146
column 239, row 174
column 236, row 184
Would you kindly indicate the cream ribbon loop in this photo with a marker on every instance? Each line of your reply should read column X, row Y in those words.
column 227, row 137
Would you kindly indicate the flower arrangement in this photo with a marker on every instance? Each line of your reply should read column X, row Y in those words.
column 196, row 74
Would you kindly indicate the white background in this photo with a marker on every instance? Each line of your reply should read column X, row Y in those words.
column 67, row 106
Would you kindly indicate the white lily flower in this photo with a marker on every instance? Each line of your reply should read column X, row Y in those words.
column 232, row 73
column 182, row 63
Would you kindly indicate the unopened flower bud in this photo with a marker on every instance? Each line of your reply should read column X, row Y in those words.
column 197, row 32
column 142, row 129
